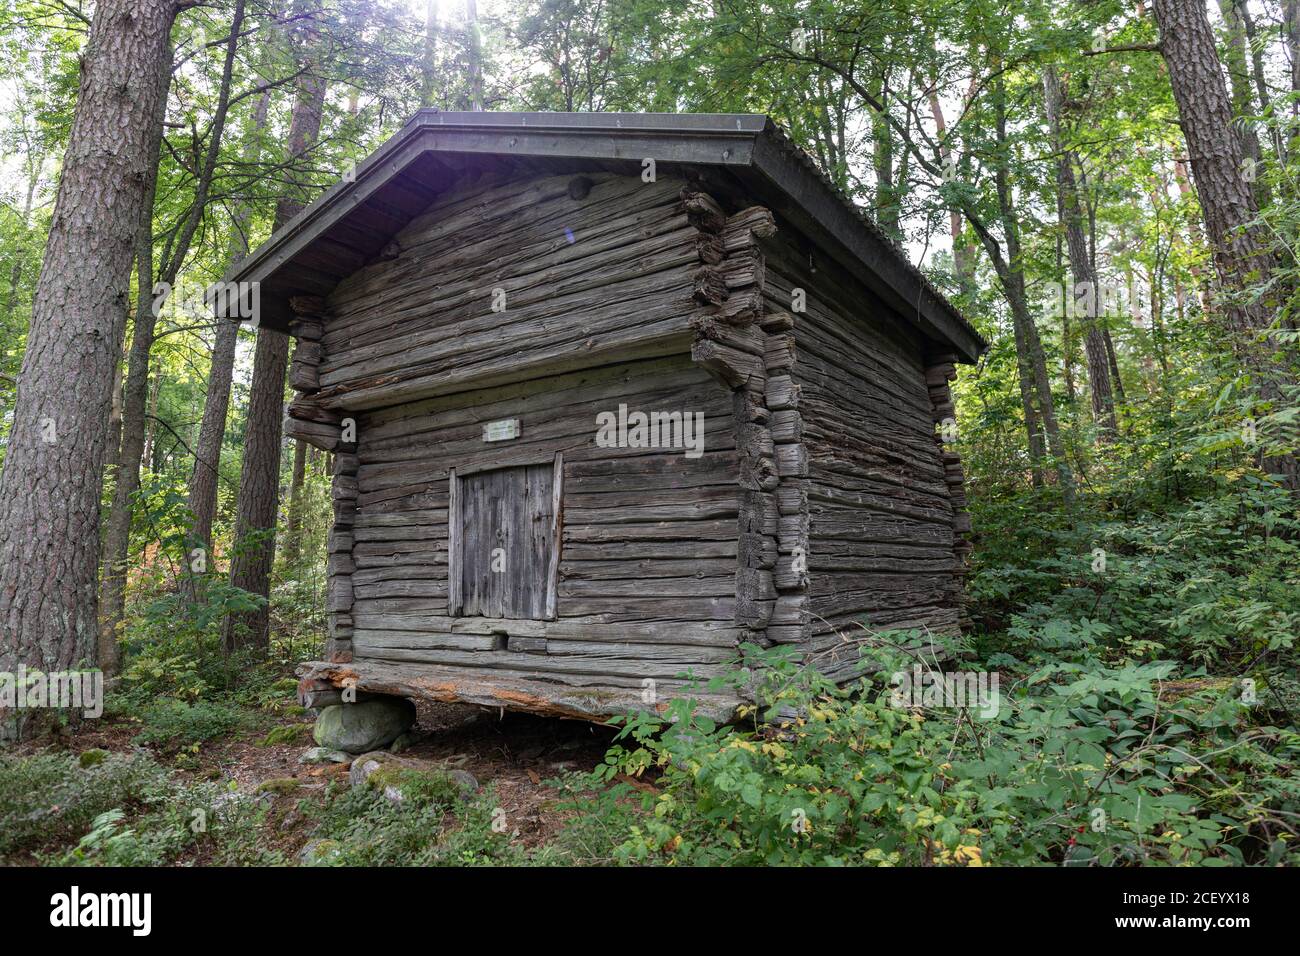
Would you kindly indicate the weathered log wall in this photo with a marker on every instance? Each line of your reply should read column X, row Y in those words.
column 478, row 313
column 871, row 500
column 824, row 497
column 646, row 583
column 497, row 277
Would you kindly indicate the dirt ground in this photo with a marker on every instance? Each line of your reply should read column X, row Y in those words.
column 513, row 753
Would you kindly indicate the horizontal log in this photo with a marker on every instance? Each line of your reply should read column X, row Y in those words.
column 732, row 366
column 307, row 330
column 472, row 686
column 782, row 393
column 703, row 211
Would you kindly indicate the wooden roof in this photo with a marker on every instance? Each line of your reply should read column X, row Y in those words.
column 351, row 222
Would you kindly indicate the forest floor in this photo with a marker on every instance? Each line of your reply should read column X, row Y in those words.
column 513, row 755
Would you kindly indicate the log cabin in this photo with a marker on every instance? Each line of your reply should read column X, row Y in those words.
column 608, row 396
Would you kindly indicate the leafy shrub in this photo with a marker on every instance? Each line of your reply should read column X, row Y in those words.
column 1080, row 766
column 433, row 825
column 111, row 842
column 1215, row 582
column 49, row 798
column 176, row 724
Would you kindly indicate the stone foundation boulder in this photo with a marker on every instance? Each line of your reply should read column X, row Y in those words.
column 395, row 776
column 364, row 726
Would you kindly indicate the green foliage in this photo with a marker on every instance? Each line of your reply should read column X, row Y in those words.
column 112, row 842
column 286, row 734
column 177, row 724
column 50, row 798
column 1214, row 582
column 124, row 811
column 432, row 825
column 598, row 819
column 1079, row 767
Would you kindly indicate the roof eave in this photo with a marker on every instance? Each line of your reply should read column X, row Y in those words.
column 742, row 142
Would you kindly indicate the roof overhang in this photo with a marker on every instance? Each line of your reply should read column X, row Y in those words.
column 353, row 220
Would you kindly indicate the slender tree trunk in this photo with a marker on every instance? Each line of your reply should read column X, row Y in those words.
column 1236, row 59
column 1112, row 359
column 475, row 56
column 212, row 432
column 1011, row 273
column 962, row 267
column 1194, row 234
column 151, row 423
column 259, row 482
column 429, row 63
column 293, row 525
column 1291, row 15
column 117, row 535
column 1087, row 291
column 216, row 407
column 1025, row 379
column 20, row 248
column 882, row 140
column 50, row 488
column 114, row 443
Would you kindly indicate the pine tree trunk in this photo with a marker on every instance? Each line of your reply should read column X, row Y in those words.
column 429, row 61
column 1216, row 153
column 216, row 406
column 138, row 425
column 293, row 526
column 259, row 481
column 50, row 488
column 1238, row 243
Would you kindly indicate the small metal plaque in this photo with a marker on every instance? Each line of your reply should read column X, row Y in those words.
column 503, row 430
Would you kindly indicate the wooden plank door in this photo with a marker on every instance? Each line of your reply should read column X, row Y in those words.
column 505, row 557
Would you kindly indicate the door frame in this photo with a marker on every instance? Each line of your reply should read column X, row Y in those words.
column 456, row 544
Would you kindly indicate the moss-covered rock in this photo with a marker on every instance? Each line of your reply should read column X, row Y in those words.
column 285, row 734
column 364, row 726
column 324, row 755
column 401, row 780
column 92, row 758
column 279, row 785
